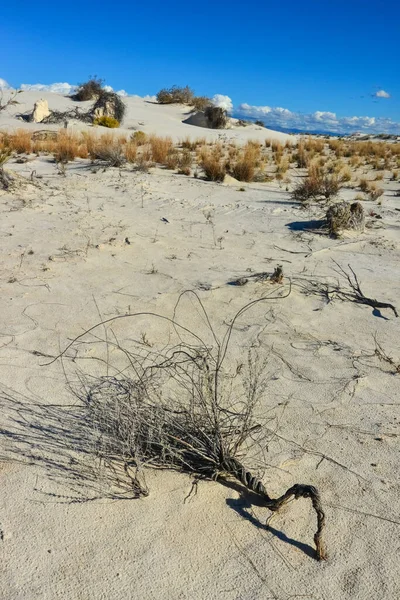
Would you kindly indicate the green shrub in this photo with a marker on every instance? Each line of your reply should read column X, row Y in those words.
column 139, row 137
column 106, row 122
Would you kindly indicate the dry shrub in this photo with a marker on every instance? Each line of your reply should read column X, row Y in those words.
column 282, row 166
column 176, row 95
column 160, row 147
column 364, row 185
column 21, row 141
column 375, row 192
column 90, row 139
column 89, row 90
column 301, row 156
column 344, row 215
column 193, row 144
column 200, row 103
column 143, row 160
column 139, row 137
column 314, row 145
column 345, row 174
column 131, row 151
column 276, row 146
column 243, row 170
column 109, row 101
column 109, row 149
column 172, row 160
column 216, row 116
column 213, row 166
column 316, row 187
column 67, row 146
column 185, row 162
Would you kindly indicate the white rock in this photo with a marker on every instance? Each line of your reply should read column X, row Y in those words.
column 40, row 111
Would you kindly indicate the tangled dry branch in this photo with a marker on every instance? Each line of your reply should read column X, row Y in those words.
column 183, row 406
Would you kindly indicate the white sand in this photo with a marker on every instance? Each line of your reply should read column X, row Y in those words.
column 331, row 397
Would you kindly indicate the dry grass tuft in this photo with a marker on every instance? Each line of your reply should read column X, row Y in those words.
column 160, row 147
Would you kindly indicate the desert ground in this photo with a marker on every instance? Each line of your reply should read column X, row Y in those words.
column 84, row 242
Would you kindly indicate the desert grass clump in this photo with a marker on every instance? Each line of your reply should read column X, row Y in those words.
column 200, row 103
column 213, row 166
column 364, row 185
column 301, row 156
column 183, row 406
column 175, row 95
column 185, row 162
column 21, row 141
column 66, row 147
column 160, row 147
column 144, row 158
column 375, row 192
column 139, row 137
column 172, row 159
column 106, row 121
column 131, row 150
column 109, row 151
column 89, row 90
column 343, row 215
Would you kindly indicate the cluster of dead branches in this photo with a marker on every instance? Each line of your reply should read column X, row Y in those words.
column 183, row 406
column 11, row 100
column 350, row 293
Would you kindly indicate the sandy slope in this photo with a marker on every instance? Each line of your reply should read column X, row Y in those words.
column 333, row 406
column 143, row 115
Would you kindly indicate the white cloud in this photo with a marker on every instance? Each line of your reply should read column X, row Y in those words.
column 146, row 98
column 57, row 88
column 4, row 85
column 317, row 121
column 382, row 94
column 223, row 102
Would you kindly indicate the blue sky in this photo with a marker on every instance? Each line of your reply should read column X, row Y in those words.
column 314, row 56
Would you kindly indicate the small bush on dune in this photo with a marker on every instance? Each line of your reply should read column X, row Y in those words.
column 216, row 116
column 316, row 187
column 260, row 123
column 139, row 137
column 200, row 102
column 175, row 95
column 89, row 90
column 105, row 121
column 109, row 104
